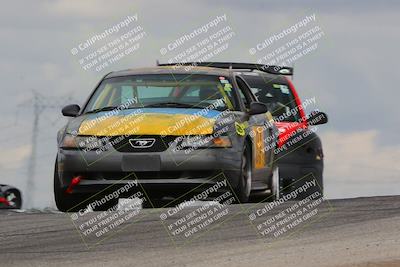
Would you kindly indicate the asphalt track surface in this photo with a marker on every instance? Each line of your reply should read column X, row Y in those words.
column 348, row 232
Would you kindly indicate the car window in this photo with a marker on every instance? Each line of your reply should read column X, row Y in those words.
column 178, row 90
column 276, row 94
column 146, row 92
column 126, row 93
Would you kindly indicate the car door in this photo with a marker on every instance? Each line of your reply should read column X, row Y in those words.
column 261, row 133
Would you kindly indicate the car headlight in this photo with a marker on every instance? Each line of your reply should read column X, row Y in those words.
column 205, row 141
column 81, row 142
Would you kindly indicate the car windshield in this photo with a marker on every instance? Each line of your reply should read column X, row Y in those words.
column 163, row 90
column 276, row 94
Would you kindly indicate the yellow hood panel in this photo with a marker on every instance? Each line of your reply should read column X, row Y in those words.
column 147, row 124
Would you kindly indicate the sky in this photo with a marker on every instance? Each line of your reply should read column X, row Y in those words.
column 352, row 74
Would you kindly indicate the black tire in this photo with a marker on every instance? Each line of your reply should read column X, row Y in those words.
column 275, row 185
column 243, row 189
column 318, row 188
column 14, row 198
column 297, row 183
column 66, row 202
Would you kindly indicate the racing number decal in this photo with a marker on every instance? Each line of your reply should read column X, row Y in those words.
column 259, row 158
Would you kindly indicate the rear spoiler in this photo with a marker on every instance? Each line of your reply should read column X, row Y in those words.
column 279, row 70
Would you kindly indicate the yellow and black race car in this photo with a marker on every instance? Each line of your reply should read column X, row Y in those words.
column 166, row 132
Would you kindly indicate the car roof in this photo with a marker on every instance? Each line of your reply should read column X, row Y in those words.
column 171, row 70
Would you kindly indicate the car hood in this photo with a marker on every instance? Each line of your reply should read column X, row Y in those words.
column 149, row 121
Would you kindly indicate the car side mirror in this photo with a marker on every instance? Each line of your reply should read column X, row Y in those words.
column 71, row 110
column 317, row 117
column 257, row 108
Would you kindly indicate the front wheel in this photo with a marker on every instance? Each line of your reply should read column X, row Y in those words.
column 14, row 199
column 66, row 202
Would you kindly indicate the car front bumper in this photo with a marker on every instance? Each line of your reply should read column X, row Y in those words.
column 160, row 173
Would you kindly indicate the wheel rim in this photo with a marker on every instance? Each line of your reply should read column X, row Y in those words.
column 246, row 173
column 275, row 184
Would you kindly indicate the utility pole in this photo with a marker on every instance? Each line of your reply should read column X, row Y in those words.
column 37, row 109
column 39, row 103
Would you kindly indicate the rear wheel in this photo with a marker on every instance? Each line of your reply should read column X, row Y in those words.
column 275, row 184
column 304, row 186
column 243, row 189
column 314, row 185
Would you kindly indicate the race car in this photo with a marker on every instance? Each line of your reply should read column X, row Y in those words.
column 10, row 197
column 299, row 152
column 165, row 132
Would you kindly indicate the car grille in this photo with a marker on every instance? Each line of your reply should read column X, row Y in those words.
column 141, row 143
